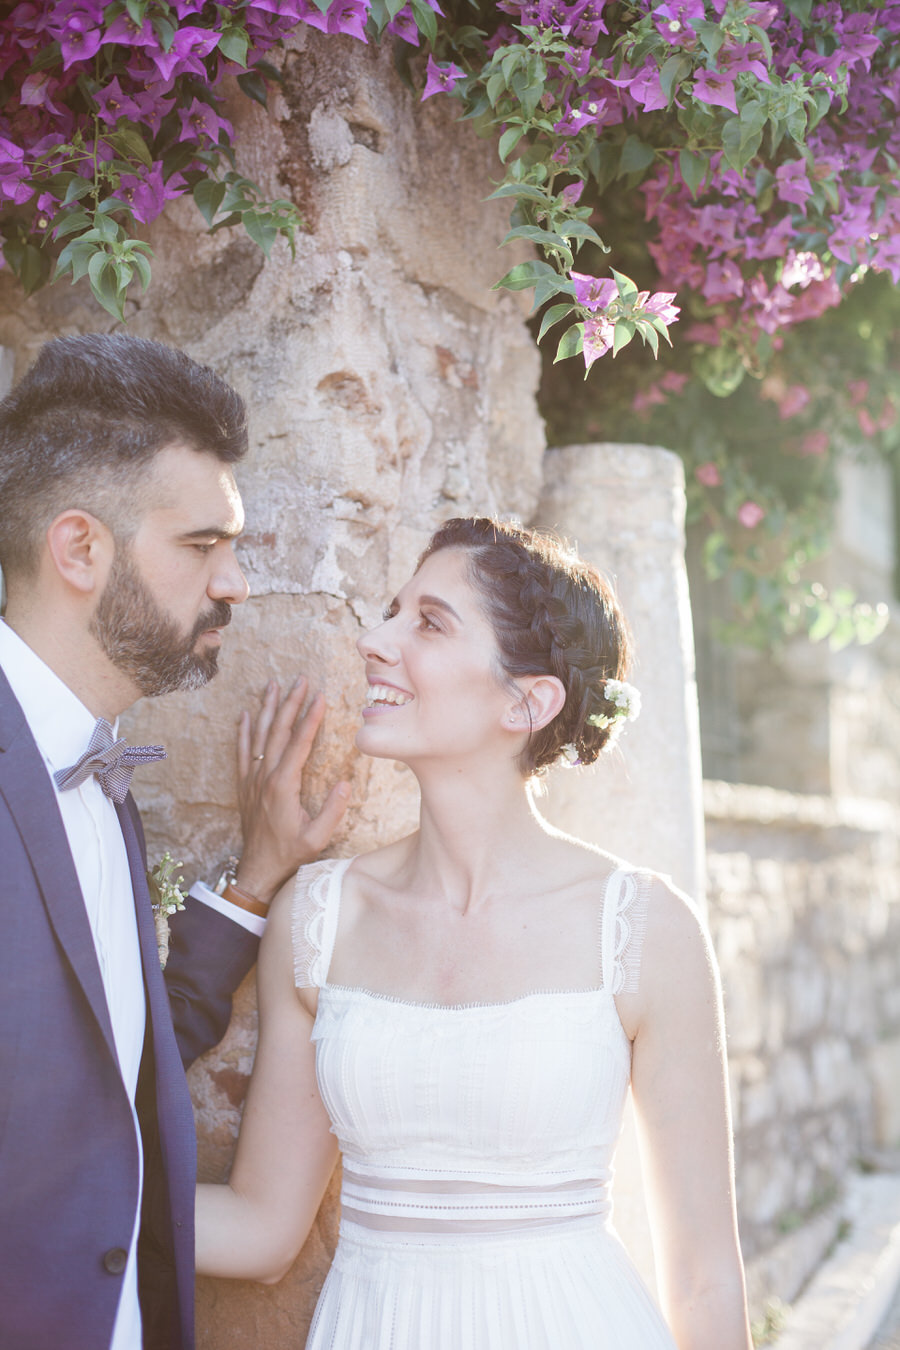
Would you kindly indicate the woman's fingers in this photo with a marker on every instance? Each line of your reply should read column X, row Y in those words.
column 264, row 719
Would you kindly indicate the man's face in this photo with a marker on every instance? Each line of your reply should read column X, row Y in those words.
column 171, row 587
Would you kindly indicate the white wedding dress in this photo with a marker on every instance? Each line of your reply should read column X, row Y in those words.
column 477, row 1144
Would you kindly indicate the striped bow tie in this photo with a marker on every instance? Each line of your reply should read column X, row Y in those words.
column 113, row 762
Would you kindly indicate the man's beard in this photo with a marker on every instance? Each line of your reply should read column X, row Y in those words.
column 142, row 640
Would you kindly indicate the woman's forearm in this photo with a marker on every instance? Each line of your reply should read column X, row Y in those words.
column 711, row 1316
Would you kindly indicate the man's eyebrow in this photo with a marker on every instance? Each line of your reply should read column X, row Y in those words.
column 213, row 532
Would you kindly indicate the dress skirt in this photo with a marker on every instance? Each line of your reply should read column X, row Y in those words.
column 570, row 1286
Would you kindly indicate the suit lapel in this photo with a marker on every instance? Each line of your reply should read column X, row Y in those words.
column 175, row 1113
column 26, row 788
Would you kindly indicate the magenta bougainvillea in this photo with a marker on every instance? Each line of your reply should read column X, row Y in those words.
column 763, row 137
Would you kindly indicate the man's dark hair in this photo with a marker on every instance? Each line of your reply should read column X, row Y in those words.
column 83, row 426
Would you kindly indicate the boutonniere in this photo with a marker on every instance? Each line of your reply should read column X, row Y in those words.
column 166, row 897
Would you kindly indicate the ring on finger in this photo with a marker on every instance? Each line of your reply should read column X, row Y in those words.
column 259, row 757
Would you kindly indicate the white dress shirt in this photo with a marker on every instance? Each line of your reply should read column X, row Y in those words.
column 61, row 726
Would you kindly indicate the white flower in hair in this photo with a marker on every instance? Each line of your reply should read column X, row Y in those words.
column 568, row 754
column 627, row 701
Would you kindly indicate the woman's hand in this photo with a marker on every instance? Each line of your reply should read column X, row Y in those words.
column 279, row 833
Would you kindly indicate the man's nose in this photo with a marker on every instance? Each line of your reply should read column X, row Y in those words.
column 228, row 582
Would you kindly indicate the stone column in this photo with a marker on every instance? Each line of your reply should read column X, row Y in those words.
column 623, row 506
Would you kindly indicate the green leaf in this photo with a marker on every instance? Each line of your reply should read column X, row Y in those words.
column 261, row 230
column 509, row 140
column 571, row 343
column 711, row 35
column 104, row 284
column 536, row 235
column 132, row 144
column 254, row 86
column 143, row 269
column 580, row 229
column 693, row 168
column 30, row 264
column 622, row 335
column 636, row 156
column 523, row 275
column 524, row 190
column 674, row 70
column 78, row 187
column 801, row 9
column 553, row 315
column 208, row 197
column 626, row 287
column 649, row 335
column 233, row 45
column 165, row 30
column 426, row 21
column 549, row 285
column 137, row 9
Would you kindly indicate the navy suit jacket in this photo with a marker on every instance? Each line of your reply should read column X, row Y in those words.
column 68, row 1153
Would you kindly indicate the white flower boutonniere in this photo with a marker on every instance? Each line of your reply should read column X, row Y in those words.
column 167, row 898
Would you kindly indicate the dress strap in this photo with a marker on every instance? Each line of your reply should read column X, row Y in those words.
column 622, row 927
column 314, row 918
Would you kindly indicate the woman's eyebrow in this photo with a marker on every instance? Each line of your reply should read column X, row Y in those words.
column 439, row 604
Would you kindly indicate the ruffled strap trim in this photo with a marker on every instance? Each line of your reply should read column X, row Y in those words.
column 622, row 928
column 314, row 918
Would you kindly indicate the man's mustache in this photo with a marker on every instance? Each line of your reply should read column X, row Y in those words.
column 217, row 617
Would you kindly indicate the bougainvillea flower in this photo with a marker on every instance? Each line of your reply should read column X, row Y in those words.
column 125, row 31
column 571, row 193
column 674, row 381
column 794, row 400
column 594, row 292
column 113, row 103
column 37, row 92
column 79, row 38
column 146, row 195
column 403, row 26
column 750, row 514
column 814, row 443
column 343, row 16
column 708, row 474
column 440, row 79
column 675, row 22
column 189, row 45
column 661, row 306
column 13, row 173
column 716, row 90
column 857, row 391
column 801, row 269
column 793, row 183
column 645, row 399
column 723, row 282
column 200, row 120
column 598, row 338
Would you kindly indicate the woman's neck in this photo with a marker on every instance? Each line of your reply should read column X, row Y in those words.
column 475, row 832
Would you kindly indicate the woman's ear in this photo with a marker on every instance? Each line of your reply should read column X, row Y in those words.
column 81, row 549
column 542, row 697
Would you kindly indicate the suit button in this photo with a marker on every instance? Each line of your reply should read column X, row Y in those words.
column 115, row 1260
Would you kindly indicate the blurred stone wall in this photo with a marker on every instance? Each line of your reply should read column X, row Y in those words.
column 804, row 908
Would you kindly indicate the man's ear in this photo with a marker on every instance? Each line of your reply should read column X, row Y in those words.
column 81, row 550
column 543, row 696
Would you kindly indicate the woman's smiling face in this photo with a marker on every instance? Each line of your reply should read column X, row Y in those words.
column 435, row 687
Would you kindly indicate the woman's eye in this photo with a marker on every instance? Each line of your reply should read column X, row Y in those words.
column 387, row 613
column 427, row 621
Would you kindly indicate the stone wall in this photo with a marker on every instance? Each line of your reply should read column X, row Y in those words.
column 804, row 908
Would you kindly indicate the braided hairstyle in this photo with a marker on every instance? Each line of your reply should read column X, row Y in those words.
column 552, row 614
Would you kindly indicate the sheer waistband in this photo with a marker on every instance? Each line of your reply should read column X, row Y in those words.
column 425, row 1205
